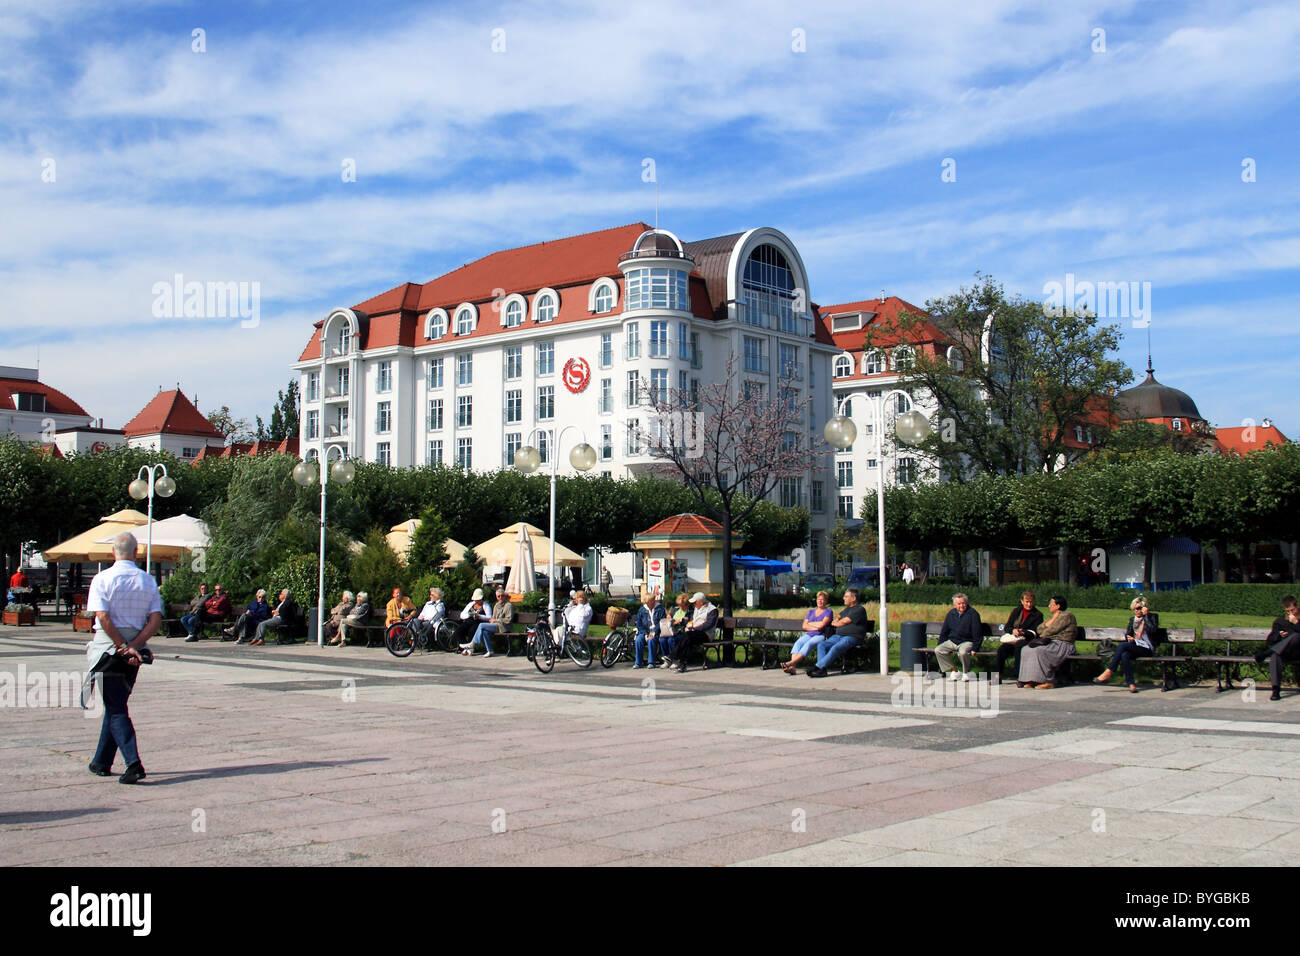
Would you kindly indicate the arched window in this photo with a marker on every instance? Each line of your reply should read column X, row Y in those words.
column 843, row 366
column 435, row 324
column 545, row 304
column 904, row 359
column 514, row 313
column 873, row 363
column 1178, row 424
column 604, row 296
column 312, row 454
column 466, row 319
column 955, row 359
column 768, row 289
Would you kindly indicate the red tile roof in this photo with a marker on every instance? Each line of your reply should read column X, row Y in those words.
column 287, row 447
column 172, row 413
column 55, row 401
column 681, row 525
column 1234, row 439
column 887, row 311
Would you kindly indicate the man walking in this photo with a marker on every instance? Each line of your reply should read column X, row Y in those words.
column 128, row 611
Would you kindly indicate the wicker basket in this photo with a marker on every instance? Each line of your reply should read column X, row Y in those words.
column 616, row 616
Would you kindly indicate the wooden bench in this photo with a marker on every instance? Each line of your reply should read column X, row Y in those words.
column 289, row 633
column 935, row 628
column 1227, row 666
column 779, row 634
column 171, row 625
column 373, row 632
column 1168, row 663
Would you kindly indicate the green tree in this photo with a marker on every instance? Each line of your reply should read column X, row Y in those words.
column 428, row 544
column 378, row 570
column 234, row 429
column 284, row 416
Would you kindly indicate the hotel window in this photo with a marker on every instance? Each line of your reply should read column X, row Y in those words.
column 606, row 442
column 343, row 420
column 544, row 307
column 546, row 358
column 681, row 387
column 817, row 500
column 906, row 471
column 606, row 396
column 514, row 363
column 843, row 366
column 465, row 369
column 514, row 441
column 433, row 452
column 604, row 298
column 634, row 445
column 435, row 414
column 344, row 379
column 658, row 339
column 790, row 361
column 697, row 357
column 464, row 322
column 632, row 343
column 791, row 492
column 385, row 377
column 844, row 474
column 659, row 385
column 464, row 411
column 695, row 394
column 435, row 373
column 544, row 446
column 384, row 417
column 312, row 454
column 606, row 349
column 871, row 463
column 846, row 506
column 437, row 324
column 902, row 403
column 343, row 340
column 465, row 453
column 755, row 360
column 683, row 341
column 904, row 359
column 755, row 391
column 313, row 386
column 873, row 363
column 515, row 405
column 313, row 427
column 514, row 314
column 633, row 394
column 546, row 402
column 655, row 288
column 384, row 453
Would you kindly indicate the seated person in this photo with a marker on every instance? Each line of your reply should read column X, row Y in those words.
column 190, row 619
column 649, row 616
column 256, row 612
column 432, row 612
column 699, row 629
column 1038, row 665
column 503, row 616
column 360, row 616
column 962, row 634
column 850, row 629
column 816, row 626
column 286, row 615
column 1283, row 644
column 681, row 613
column 577, row 616
column 397, row 608
column 337, row 614
column 474, row 614
column 1139, row 641
column 216, row 609
column 1022, row 620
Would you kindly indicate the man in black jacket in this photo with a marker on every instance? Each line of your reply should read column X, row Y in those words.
column 1283, row 644
column 962, row 634
column 1022, row 619
column 286, row 613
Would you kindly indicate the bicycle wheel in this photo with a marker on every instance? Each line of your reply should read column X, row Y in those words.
column 614, row 648
column 399, row 640
column 578, row 649
column 544, row 649
column 445, row 636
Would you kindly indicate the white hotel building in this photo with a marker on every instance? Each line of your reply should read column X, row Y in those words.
column 460, row 370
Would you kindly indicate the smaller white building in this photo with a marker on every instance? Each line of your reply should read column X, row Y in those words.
column 32, row 410
column 171, row 423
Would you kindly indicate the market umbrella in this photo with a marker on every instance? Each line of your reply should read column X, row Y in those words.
column 171, row 537
column 521, row 571
column 77, row 549
column 498, row 552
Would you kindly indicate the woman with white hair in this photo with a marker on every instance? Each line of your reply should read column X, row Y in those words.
column 256, row 612
column 339, row 612
column 1139, row 641
column 360, row 615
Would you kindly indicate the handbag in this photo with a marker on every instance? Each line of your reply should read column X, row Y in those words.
column 665, row 627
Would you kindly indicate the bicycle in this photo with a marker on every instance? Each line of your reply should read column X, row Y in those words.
column 401, row 640
column 618, row 642
column 542, row 649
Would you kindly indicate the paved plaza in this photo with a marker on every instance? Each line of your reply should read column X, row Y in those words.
column 300, row 755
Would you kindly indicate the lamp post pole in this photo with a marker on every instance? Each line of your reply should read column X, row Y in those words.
column 142, row 487
column 527, row 459
column 840, row 432
column 302, row 474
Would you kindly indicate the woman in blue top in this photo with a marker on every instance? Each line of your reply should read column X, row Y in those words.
column 816, row 625
column 648, row 617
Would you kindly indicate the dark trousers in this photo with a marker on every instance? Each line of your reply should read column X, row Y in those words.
column 117, row 732
column 1006, row 651
column 1285, row 651
column 1125, row 654
column 684, row 641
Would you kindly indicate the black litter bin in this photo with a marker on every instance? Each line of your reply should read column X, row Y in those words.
column 911, row 638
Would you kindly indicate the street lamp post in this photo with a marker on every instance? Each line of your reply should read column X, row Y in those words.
column 527, row 459
column 142, row 488
column 840, row 432
column 343, row 472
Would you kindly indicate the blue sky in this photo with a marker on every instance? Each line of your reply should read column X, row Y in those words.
column 1115, row 158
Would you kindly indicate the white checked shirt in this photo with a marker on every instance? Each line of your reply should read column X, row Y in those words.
column 129, row 595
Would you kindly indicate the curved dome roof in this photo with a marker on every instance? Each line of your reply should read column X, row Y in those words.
column 1150, row 399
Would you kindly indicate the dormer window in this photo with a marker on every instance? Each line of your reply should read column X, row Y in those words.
column 29, row 401
column 1177, row 424
column 435, row 324
column 843, row 366
column 904, row 359
column 604, row 296
column 466, row 319
column 873, row 363
column 514, row 313
column 545, row 305
column 846, row 323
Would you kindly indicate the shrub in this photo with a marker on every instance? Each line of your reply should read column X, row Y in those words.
column 183, row 585
column 302, row 577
